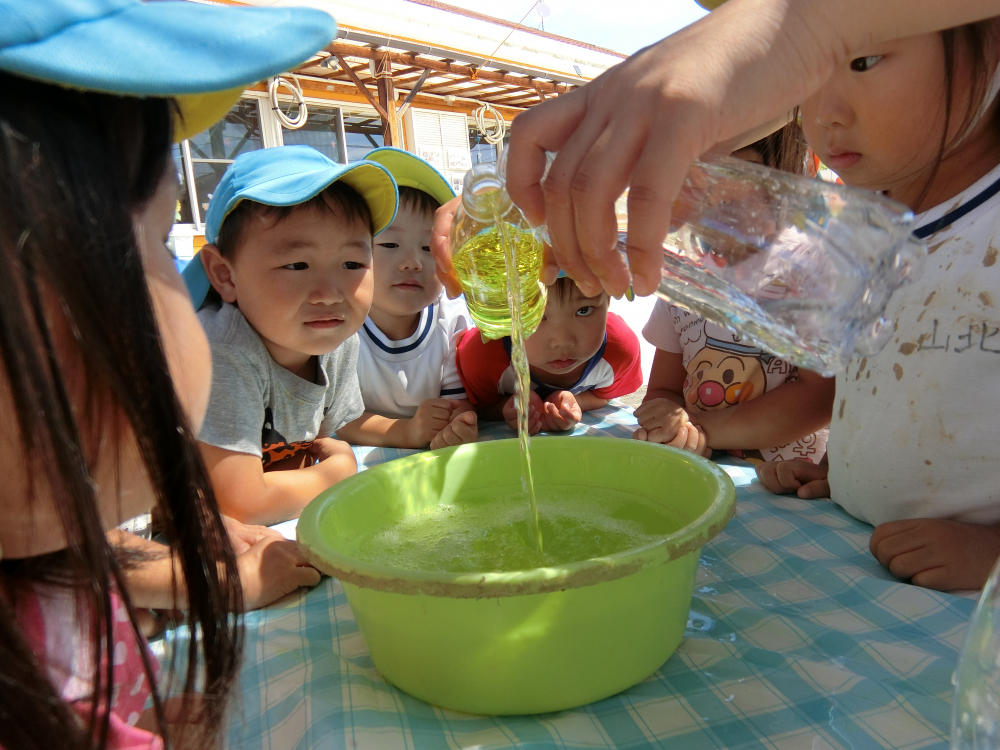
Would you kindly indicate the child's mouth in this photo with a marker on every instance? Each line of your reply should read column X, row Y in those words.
column 324, row 323
column 409, row 286
column 842, row 160
column 561, row 364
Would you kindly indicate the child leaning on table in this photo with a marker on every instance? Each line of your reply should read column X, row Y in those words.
column 580, row 357
column 406, row 364
column 711, row 390
column 104, row 370
column 913, row 444
column 290, row 260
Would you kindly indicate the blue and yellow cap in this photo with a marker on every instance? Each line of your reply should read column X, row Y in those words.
column 287, row 176
column 203, row 56
column 410, row 170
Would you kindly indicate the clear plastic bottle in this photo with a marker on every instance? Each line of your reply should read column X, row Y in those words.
column 800, row 267
column 975, row 711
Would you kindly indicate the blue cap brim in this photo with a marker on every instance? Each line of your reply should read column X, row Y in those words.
column 409, row 170
column 168, row 49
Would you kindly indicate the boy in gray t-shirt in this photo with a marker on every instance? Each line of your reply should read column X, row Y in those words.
column 290, row 262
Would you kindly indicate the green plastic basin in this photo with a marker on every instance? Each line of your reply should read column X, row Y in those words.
column 529, row 641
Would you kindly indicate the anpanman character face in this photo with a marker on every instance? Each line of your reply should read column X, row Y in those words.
column 718, row 378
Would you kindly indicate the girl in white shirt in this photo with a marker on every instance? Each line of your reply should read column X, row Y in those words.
column 914, row 442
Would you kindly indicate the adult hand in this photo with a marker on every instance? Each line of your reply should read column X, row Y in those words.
column 640, row 124
column 441, row 247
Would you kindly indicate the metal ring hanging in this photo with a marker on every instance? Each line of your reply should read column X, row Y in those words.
column 495, row 134
column 292, row 85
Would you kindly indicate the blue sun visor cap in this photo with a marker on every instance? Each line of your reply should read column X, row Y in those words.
column 287, row 176
column 201, row 55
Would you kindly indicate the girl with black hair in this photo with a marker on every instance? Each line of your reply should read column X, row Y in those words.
column 104, row 370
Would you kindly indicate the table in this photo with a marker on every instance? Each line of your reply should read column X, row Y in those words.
column 797, row 638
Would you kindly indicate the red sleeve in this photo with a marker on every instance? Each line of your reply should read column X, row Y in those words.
column 622, row 353
column 481, row 364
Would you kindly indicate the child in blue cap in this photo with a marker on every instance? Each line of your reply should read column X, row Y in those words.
column 413, row 394
column 289, row 257
column 104, row 370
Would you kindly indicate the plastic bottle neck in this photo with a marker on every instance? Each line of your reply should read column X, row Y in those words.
column 484, row 195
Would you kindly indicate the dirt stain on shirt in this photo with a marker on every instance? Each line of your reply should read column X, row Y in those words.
column 991, row 256
column 898, row 370
column 986, row 298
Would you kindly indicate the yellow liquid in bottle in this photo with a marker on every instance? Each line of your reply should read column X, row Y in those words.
column 482, row 269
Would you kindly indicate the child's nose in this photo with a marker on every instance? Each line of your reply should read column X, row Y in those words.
column 831, row 107
column 412, row 262
column 327, row 291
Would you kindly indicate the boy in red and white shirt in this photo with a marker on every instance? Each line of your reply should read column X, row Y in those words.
column 580, row 357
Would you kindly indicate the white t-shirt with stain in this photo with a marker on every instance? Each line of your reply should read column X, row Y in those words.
column 915, row 430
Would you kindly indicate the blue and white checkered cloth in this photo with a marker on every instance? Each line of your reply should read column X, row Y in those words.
column 797, row 638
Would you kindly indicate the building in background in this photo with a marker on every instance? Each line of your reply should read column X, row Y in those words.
column 409, row 73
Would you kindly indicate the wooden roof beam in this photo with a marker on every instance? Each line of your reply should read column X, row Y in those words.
column 411, row 59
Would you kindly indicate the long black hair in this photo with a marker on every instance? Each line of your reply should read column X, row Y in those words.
column 75, row 168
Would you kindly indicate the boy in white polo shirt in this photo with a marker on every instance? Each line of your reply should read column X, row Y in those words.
column 412, row 392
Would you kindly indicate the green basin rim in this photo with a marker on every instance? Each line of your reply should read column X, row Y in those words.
column 490, row 585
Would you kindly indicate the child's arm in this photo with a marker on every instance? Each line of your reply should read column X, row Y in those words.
column 666, row 377
column 791, row 411
column 936, row 553
column 270, row 567
column 249, row 494
column 433, row 415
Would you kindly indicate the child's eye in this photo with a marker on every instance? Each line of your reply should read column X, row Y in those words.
column 389, row 245
column 300, row 266
column 353, row 265
column 583, row 312
column 861, row 64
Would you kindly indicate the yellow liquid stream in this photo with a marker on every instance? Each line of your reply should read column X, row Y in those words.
column 499, row 271
column 485, row 534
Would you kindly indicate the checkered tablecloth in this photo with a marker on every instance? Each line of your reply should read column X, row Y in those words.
column 797, row 638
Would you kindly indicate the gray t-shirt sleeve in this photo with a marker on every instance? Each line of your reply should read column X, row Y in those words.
column 344, row 401
column 235, row 414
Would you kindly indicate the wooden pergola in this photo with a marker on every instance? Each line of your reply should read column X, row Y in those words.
column 381, row 73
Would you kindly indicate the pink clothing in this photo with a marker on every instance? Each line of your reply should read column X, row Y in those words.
column 58, row 633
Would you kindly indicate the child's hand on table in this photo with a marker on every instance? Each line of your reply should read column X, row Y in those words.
column 535, row 410
column 433, row 415
column 668, row 423
column 560, row 412
column 272, row 567
column 936, row 553
column 463, row 428
column 804, row 478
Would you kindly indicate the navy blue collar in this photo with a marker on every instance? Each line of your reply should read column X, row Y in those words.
column 952, row 216
column 544, row 389
column 429, row 311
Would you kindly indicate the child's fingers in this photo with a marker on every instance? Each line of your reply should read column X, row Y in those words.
column 814, row 489
column 640, row 434
column 787, row 476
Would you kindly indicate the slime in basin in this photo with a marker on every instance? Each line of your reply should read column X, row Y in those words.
column 458, row 609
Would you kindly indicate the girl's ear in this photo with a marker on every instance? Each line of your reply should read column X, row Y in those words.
column 220, row 272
